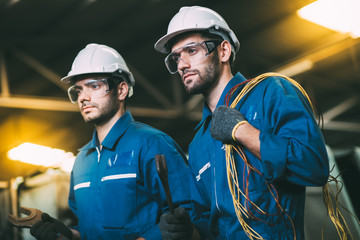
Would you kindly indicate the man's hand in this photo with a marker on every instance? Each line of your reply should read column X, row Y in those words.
column 223, row 123
column 49, row 228
column 176, row 226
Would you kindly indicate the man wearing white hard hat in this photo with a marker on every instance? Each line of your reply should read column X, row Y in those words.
column 257, row 146
column 115, row 190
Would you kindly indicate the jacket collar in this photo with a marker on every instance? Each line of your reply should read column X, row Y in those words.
column 114, row 134
column 238, row 78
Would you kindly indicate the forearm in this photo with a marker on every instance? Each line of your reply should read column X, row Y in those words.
column 248, row 136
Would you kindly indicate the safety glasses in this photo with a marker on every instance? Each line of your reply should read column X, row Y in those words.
column 192, row 53
column 94, row 88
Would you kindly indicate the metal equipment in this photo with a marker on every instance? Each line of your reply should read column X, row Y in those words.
column 161, row 168
column 34, row 215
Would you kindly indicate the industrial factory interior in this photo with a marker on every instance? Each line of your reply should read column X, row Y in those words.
column 41, row 130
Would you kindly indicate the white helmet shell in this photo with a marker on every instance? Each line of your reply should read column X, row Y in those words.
column 197, row 18
column 98, row 59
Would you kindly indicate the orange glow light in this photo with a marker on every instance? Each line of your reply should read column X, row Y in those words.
column 339, row 15
column 42, row 156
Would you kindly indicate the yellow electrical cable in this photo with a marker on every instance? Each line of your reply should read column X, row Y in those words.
column 236, row 127
column 236, row 192
column 239, row 209
column 334, row 211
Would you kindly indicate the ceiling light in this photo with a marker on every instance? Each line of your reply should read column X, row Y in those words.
column 338, row 15
column 296, row 68
column 42, row 156
column 12, row 2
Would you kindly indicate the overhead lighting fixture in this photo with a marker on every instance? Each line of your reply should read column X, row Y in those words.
column 339, row 15
column 296, row 68
column 12, row 2
column 42, row 156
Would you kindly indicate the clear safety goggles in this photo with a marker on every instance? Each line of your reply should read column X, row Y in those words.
column 192, row 53
column 94, row 88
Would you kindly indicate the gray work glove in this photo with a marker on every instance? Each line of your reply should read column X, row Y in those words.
column 223, row 122
column 176, row 226
column 49, row 228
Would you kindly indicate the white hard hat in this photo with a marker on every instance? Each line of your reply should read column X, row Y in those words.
column 99, row 59
column 197, row 18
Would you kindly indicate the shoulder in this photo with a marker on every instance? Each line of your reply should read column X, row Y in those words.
column 146, row 132
column 274, row 82
column 270, row 87
column 154, row 141
column 87, row 146
column 145, row 129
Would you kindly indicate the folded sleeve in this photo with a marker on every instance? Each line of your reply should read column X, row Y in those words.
column 291, row 144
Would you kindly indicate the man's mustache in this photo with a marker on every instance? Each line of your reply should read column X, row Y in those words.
column 186, row 71
column 87, row 104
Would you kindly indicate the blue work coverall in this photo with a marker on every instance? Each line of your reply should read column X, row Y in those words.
column 293, row 155
column 116, row 192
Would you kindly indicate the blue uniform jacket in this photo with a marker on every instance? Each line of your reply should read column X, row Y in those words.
column 293, row 155
column 116, row 192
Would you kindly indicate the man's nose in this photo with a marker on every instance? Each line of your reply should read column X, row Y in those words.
column 84, row 97
column 183, row 64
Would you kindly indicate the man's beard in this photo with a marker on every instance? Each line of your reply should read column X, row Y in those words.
column 105, row 113
column 207, row 79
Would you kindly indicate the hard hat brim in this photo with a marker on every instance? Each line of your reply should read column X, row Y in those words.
column 160, row 45
column 70, row 79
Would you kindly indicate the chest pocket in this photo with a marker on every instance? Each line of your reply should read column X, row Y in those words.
column 252, row 115
column 118, row 192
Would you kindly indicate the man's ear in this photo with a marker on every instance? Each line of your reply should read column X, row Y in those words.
column 225, row 51
column 122, row 90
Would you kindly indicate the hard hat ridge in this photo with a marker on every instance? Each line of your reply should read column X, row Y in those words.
column 98, row 59
column 196, row 18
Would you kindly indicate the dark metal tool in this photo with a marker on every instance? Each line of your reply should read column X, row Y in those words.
column 33, row 216
column 161, row 168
